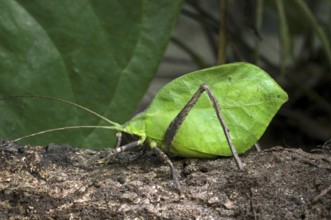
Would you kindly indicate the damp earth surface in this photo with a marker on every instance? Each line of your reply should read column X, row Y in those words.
column 61, row 182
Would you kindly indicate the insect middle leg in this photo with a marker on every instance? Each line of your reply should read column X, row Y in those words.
column 176, row 123
column 165, row 158
column 118, row 149
column 112, row 153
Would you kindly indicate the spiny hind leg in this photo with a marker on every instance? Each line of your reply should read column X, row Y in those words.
column 176, row 123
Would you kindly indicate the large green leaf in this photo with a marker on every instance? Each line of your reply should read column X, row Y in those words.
column 249, row 99
column 101, row 54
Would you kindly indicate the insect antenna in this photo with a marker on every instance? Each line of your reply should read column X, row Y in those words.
column 64, row 101
column 115, row 126
column 64, row 128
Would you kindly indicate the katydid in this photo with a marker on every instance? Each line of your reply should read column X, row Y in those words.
column 192, row 116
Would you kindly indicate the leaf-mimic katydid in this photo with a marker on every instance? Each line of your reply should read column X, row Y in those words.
column 192, row 116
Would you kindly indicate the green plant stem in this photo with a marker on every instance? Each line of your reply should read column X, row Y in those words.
column 258, row 24
column 301, row 5
column 222, row 34
column 284, row 36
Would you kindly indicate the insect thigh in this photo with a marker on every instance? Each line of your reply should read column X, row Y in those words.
column 177, row 122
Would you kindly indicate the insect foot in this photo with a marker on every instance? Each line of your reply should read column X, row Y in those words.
column 173, row 170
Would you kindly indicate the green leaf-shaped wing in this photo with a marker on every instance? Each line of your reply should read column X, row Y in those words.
column 249, row 99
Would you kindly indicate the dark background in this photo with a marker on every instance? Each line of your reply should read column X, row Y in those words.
column 255, row 33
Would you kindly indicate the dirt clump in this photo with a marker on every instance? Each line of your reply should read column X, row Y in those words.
column 59, row 182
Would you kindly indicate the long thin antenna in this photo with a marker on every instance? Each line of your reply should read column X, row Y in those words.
column 67, row 102
column 66, row 128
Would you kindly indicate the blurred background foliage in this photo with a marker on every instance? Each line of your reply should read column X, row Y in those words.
column 100, row 54
column 288, row 39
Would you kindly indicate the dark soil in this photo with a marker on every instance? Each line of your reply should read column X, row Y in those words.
column 57, row 182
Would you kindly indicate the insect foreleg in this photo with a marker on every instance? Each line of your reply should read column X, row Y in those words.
column 176, row 123
column 257, row 147
column 165, row 158
column 119, row 139
column 120, row 149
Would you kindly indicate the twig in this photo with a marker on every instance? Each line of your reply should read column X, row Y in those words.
column 323, row 193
